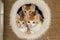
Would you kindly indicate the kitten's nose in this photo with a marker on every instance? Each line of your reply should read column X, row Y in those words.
column 30, row 25
column 20, row 25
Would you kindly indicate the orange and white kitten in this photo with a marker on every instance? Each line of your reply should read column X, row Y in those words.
column 21, row 24
column 34, row 22
column 28, row 9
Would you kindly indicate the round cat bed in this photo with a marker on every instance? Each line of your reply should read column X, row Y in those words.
column 46, row 13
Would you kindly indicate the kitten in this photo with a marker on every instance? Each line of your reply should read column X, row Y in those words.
column 34, row 22
column 21, row 24
column 28, row 9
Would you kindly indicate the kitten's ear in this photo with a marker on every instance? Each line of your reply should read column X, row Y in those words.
column 23, row 7
column 17, row 16
column 37, row 17
column 33, row 8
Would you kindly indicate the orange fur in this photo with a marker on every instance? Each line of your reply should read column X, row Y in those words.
column 27, row 7
column 21, row 18
column 32, row 16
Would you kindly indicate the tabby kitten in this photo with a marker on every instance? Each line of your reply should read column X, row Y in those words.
column 21, row 24
column 34, row 22
column 28, row 9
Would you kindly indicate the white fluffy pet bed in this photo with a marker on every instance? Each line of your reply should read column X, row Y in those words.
column 47, row 17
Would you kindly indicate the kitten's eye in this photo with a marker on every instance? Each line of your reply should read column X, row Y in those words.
column 28, row 21
column 18, row 22
column 33, row 22
column 23, row 22
column 29, row 11
column 24, row 11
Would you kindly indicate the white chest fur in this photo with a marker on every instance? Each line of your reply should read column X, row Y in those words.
column 24, row 29
column 36, row 28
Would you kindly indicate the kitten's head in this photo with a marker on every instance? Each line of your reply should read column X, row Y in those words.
column 28, row 9
column 20, row 21
column 33, row 20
